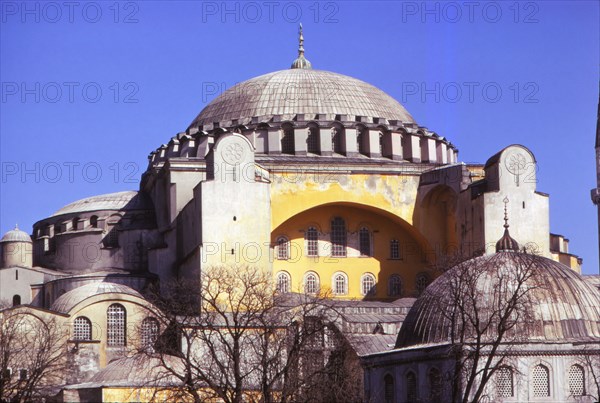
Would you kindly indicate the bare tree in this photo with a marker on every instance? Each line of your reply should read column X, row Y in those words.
column 591, row 359
column 32, row 355
column 483, row 304
column 239, row 340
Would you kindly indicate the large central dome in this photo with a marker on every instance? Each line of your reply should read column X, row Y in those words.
column 300, row 91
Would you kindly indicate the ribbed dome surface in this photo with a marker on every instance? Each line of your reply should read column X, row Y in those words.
column 560, row 305
column 68, row 300
column 300, row 91
column 128, row 200
column 16, row 235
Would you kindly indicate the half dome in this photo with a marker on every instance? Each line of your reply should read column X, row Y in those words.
column 67, row 301
column 560, row 305
column 300, row 91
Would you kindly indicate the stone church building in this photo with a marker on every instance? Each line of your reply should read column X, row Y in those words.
column 328, row 183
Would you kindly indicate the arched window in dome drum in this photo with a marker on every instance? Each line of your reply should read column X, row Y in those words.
column 313, row 142
column 576, row 380
column 381, row 140
column 336, row 139
column 287, row 140
column 75, row 223
column 94, row 221
column 16, row 300
column 361, row 138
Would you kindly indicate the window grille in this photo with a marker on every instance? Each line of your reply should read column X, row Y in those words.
column 116, row 317
column 283, row 249
column 283, row 283
column 541, row 381
column 312, row 242
column 311, row 284
column 411, row 387
column 150, row 331
column 504, row 380
column 368, row 284
column 340, row 286
column 338, row 237
column 82, row 329
column 364, row 240
column 388, row 392
column 395, row 288
column 312, row 140
column 394, row 249
column 576, row 380
column 111, row 239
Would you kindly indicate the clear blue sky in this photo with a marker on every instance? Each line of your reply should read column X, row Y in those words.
column 157, row 63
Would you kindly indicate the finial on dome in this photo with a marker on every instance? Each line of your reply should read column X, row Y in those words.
column 301, row 62
column 506, row 243
column 16, row 226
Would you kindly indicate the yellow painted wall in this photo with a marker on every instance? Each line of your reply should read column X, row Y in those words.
column 383, row 228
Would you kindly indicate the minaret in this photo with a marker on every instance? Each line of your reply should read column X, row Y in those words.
column 301, row 62
column 596, row 191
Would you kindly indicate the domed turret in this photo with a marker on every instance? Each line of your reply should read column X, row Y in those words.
column 16, row 249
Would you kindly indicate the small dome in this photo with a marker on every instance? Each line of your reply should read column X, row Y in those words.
column 67, row 301
column 16, row 235
column 300, row 91
column 120, row 201
column 560, row 306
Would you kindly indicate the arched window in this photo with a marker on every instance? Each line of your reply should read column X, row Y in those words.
column 283, row 282
column 287, row 141
column 94, row 221
column 340, row 284
column 111, row 239
column 435, row 385
column 57, row 228
column 541, row 381
column 313, row 143
column 381, row 139
column 395, row 286
column 394, row 249
column 82, row 329
column 336, row 139
column 16, row 300
column 116, row 319
column 421, row 283
column 411, row 387
column 150, row 331
column 361, row 138
column 311, row 283
column 388, row 389
column 364, row 241
column 504, row 382
column 367, row 284
column 577, row 380
column 75, row 223
column 311, row 237
column 338, row 237
column 283, row 248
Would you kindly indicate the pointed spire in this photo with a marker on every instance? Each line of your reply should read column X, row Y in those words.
column 301, row 62
column 506, row 243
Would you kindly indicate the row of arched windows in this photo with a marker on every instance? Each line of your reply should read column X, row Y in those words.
column 504, row 383
column 313, row 140
column 339, row 241
column 116, row 318
column 339, row 283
